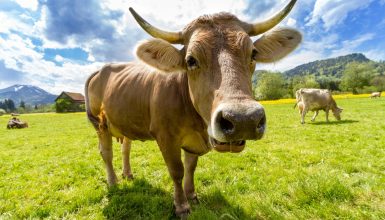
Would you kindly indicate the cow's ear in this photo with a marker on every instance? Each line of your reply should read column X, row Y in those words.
column 276, row 44
column 160, row 55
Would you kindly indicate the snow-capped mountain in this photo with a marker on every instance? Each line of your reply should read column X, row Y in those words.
column 31, row 95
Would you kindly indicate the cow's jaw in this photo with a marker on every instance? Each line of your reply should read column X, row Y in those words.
column 232, row 146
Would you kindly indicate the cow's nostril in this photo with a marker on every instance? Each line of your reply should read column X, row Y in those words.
column 262, row 122
column 226, row 125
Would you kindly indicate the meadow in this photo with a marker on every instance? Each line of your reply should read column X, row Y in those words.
column 319, row 170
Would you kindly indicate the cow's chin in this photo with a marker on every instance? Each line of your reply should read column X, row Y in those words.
column 233, row 146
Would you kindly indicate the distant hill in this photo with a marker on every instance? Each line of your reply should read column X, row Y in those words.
column 31, row 95
column 328, row 67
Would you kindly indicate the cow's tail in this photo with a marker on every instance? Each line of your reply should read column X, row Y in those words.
column 295, row 105
column 93, row 119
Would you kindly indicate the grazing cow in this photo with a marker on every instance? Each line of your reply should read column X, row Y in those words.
column 375, row 95
column 315, row 100
column 195, row 98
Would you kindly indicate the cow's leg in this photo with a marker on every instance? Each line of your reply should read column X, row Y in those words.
column 315, row 115
column 190, row 163
column 105, row 147
column 304, row 111
column 126, row 149
column 172, row 157
column 327, row 115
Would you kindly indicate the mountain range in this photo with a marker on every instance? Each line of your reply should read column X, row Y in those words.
column 31, row 95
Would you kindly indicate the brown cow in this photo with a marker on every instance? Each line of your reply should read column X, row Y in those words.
column 196, row 98
column 315, row 100
column 16, row 123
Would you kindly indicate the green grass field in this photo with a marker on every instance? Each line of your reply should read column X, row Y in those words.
column 318, row 170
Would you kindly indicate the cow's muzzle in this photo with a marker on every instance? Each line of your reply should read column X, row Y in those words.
column 234, row 123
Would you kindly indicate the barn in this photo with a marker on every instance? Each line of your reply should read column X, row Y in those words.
column 70, row 102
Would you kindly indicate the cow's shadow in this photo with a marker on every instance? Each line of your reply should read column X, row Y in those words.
column 140, row 200
column 334, row 122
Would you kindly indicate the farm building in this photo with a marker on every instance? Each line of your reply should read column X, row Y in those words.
column 70, row 102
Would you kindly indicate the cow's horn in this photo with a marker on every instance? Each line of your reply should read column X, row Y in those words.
column 262, row 27
column 172, row 37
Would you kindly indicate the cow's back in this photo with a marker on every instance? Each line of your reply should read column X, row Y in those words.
column 121, row 94
column 316, row 99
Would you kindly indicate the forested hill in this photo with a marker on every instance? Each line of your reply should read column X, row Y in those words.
column 328, row 67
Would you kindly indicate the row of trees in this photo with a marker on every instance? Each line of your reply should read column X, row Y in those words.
column 356, row 78
column 62, row 105
column 8, row 106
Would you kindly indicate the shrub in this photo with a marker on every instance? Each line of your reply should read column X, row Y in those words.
column 2, row 112
column 367, row 89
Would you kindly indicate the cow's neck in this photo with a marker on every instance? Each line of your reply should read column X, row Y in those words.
column 187, row 103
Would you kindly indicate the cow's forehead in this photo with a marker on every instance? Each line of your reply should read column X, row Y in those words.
column 217, row 24
column 204, row 41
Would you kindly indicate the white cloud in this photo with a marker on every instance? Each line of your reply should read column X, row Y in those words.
column 19, row 54
column 59, row 58
column 174, row 15
column 293, row 60
column 376, row 54
column 28, row 4
column 334, row 12
column 291, row 22
column 10, row 23
column 350, row 46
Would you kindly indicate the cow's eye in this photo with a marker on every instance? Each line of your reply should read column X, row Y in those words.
column 192, row 63
column 254, row 54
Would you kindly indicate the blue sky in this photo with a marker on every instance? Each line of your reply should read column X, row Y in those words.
column 56, row 44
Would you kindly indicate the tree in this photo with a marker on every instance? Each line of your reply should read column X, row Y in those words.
column 270, row 85
column 328, row 82
column 379, row 83
column 356, row 76
column 62, row 105
column 8, row 105
column 307, row 81
column 2, row 105
column 36, row 107
column 22, row 104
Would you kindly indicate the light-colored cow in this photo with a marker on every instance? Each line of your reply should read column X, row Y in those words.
column 195, row 98
column 315, row 100
column 375, row 95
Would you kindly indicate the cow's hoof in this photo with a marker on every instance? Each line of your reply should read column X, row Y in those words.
column 184, row 216
column 112, row 181
column 112, row 184
column 128, row 176
column 182, row 211
column 194, row 199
